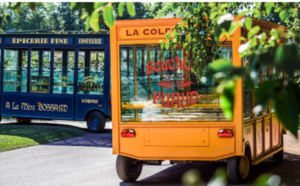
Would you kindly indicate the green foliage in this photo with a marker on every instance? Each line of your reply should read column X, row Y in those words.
column 192, row 177
column 17, row 136
column 109, row 16
column 162, row 10
column 195, row 33
column 36, row 16
column 121, row 9
column 142, row 11
column 93, row 13
column 268, row 180
column 130, row 9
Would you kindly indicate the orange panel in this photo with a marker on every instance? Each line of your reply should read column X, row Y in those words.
column 176, row 137
column 218, row 148
column 144, row 32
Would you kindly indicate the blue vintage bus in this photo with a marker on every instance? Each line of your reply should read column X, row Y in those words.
column 56, row 76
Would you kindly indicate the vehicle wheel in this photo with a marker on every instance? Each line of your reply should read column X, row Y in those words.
column 96, row 122
column 23, row 120
column 279, row 155
column 239, row 168
column 128, row 169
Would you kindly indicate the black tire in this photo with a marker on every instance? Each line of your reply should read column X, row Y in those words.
column 95, row 122
column 239, row 168
column 279, row 155
column 128, row 169
column 23, row 120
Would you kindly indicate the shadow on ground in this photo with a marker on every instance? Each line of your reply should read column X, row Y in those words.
column 88, row 140
column 288, row 170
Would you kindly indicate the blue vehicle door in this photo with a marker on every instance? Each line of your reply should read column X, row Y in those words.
column 91, row 83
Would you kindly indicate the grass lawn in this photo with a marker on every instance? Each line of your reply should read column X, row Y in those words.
column 18, row 136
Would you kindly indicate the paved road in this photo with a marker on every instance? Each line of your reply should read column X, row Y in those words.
column 88, row 160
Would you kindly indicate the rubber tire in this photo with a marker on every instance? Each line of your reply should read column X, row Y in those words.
column 128, row 169
column 279, row 155
column 95, row 122
column 23, row 120
column 233, row 171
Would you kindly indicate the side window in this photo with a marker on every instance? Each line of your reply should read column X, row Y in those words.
column 90, row 72
column 15, row 70
column 63, row 80
column 265, row 75
column 40, row 71
column 247, row 98
column 257, row 81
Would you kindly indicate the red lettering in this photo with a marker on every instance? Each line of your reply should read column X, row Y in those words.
column 156, row 96
column 186, row 100
column 163, row 100
column 135, row 32
column 145, row 32
column 160, row 32
column 127, row 34
column 157, row 69
column 171, row 61
column 153, row 31
column 175, row 100
column 192, row 97
column 149, row 68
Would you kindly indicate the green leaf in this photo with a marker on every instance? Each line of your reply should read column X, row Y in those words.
column 232, row 28
column 162, row 43
column 220, row 29
column 121, row 9
column 227, row 99
column 98, row 4
column 265, row 91
column 221, row 65
column 94, row 21
column 130, row 9
column 167, row 45
column 32, row 6
column 253, row 31
column 108, row 15
column 243, row 38
column 269, row 7
column 274, row 33
column 283, row 15
column 73, row 5
column 249, row 82
column 285, row 57
column 89, row 7
column 267, row 179
column 287, row 107
column 224, row 24
column 87, row 23
column 248, row 23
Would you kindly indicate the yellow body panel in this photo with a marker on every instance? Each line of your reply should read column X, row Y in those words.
column 180, row 140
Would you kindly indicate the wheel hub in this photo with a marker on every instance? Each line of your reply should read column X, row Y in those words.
column 95, row 123
column 244, row 166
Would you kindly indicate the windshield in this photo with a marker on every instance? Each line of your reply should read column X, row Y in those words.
column 160, row 85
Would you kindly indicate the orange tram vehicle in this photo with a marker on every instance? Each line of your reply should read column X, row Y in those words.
column 163, row 111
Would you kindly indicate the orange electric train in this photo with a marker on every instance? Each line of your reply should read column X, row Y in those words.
column 163, row 111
